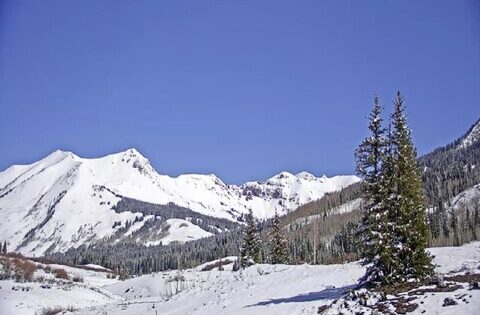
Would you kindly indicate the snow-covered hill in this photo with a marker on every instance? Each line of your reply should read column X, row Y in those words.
column 64, row 200
column 259, row 289
column 472, row 136
column 468, row 199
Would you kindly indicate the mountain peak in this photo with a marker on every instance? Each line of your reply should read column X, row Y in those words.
column 132, row 152
column 282, row 175
column 305, row 175
column 59, row 154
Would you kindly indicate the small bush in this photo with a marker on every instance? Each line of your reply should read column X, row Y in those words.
column 61, row 274
column 56, row 310
column 77, row 279
column 236, row 265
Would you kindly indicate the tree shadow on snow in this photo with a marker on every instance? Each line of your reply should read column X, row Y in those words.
column 326, row 294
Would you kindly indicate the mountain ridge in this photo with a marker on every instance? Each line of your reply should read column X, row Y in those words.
column 64, row 200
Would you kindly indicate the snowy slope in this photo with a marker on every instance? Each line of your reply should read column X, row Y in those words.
column 64, row 200
column 274, row 289
column 49, row 293
column 260, row 289
column 180, row 230
column 472, row 136
column 469, row 198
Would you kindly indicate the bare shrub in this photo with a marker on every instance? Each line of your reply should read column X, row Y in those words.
column 176, row 278
column 15, row 255
column 178, row 281
column 61, row 274
column 24, row 270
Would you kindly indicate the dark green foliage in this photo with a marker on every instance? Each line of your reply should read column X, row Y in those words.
column 135, row 259
column 278, row 243
column 370, row 158
column 395, row 229
column 406, row 203
column 250, row 250
column 324, row 238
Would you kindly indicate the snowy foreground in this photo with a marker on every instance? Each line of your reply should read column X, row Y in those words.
column 260, row 289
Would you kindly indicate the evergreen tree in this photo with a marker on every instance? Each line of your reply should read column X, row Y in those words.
column 390, row 265
column 454, row 226
column 476, row 217
column 369, row 157
column 4, row 249
column 395, row 232
column 251, row 246
column 278, row 243
column 405, row 201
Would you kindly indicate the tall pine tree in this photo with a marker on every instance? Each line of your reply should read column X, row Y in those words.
column 369, row 158
column 407, row 218
column 250, row 250
column 278, row 243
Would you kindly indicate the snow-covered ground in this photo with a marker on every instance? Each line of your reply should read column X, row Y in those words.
column 51, row 292
column 259, row 289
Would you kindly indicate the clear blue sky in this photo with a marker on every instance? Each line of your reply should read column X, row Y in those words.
column 243, row 89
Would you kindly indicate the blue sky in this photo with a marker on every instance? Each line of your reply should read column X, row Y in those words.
column 242, row 89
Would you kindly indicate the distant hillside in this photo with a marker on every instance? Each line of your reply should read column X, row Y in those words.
column 451, row 178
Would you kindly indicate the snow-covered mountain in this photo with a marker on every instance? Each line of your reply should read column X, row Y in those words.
column 64, row 200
